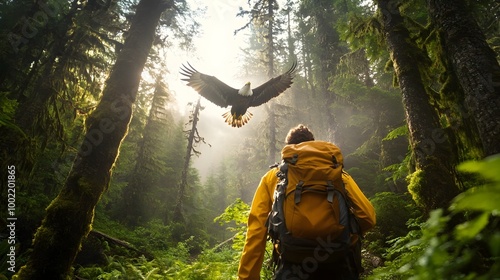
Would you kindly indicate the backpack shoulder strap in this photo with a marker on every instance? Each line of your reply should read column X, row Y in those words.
column 276, row 219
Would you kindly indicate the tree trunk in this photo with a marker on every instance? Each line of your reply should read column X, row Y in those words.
column 270, row 38
column 271, row 119
column 69, row 216
column 178, row 213
column 475, row 66
column 433, row 184
column 271, row 122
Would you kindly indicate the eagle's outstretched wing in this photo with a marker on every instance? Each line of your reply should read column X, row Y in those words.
column 273, row 87
column 208, row 86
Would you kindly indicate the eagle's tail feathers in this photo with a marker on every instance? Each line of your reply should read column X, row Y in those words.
column 237, row 121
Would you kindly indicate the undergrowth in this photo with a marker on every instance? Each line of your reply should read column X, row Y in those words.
column 436, row 248
column 441, row 248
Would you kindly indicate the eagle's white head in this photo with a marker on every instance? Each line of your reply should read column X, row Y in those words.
column 246, row 90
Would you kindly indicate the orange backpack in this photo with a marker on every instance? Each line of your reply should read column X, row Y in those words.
column 311, row 215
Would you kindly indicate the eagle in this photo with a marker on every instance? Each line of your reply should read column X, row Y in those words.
column 239, row 99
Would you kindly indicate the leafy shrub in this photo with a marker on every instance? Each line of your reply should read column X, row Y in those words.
column 469, row 250
column 393, row 211
column 175, row 260
column 236, row 216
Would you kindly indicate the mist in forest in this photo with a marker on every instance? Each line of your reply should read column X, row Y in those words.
column 224, row 140
column 103, row 178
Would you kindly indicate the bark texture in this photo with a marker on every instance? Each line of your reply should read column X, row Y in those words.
column 433, row 185
column 69, row 217
column 475, row 66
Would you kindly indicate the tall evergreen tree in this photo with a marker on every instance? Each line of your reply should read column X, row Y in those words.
column 475, row 65
column 433, row 184
column 69, row 216
column 263, row 15
column 150, row 168
column 55, row 75
column 325, row 53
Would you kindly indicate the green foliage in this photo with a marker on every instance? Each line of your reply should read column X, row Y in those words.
column 171, row 260
column 393, row 211
column 484, row 198
column 153, row 237
column 469, row 250
column 123, row 268
column 396, row 214
column 362, row 30
column 237, row 212
column 237, row 215
column 397, row 132
column 7, row 110
column 366, row 116
column 365, row 173
column 211, row 264
column 398, row 170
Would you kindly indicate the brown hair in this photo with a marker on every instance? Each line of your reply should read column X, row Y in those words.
column 299, row 134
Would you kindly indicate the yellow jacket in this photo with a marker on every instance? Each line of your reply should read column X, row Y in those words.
column 255, row 243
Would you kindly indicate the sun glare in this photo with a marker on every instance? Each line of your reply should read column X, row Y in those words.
column 215, row 51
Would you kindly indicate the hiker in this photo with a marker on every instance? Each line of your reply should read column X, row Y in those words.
column 312, row 266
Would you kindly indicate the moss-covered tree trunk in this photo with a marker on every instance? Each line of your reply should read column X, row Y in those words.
column 475, row 66
column 69, row 217
column 433, row 184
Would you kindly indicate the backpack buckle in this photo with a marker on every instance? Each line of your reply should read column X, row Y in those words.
column 329, row 191
column 298, row 191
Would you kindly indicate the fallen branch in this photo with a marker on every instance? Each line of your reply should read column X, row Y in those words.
column 222, row 243
column 121, row 243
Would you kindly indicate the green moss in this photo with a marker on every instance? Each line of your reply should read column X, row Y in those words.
column 62, row 230
column 47, row 235
column 415, row 186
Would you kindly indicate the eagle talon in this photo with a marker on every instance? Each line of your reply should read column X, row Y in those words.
column 235, row 120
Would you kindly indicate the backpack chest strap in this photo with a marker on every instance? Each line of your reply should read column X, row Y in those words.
column 302, row 186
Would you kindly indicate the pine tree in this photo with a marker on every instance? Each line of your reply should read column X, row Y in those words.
column 139, row 196
column 56, row 73
column 325, row 53
column 263, row 15
column 69, row 216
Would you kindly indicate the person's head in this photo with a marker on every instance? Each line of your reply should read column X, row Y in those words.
column 299, row 134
